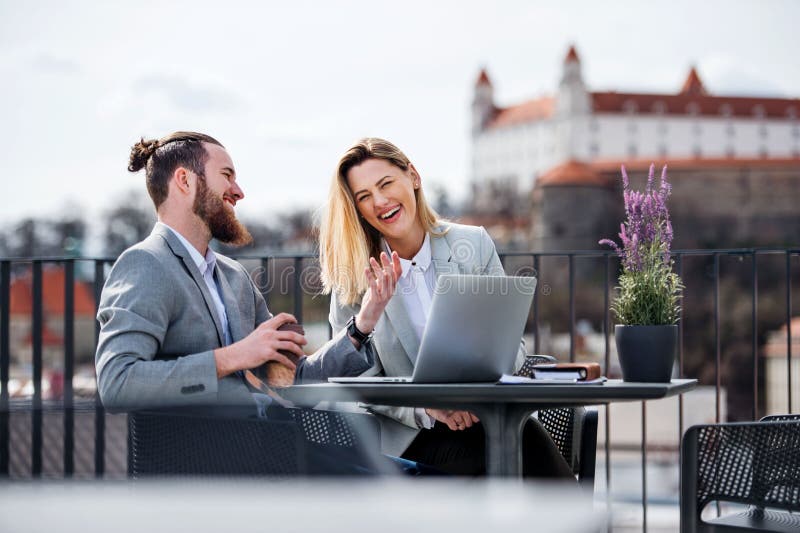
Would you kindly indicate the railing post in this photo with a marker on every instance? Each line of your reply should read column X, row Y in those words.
column 754, row 326
column 537, row 342
column 5, row 364
column 644, row 467
column 606, row 366
column 571, row 308
column 718, row 349
column 99, row 411
column 679, row 267
column 69, row 367
column 36, row 338
column 789, row 328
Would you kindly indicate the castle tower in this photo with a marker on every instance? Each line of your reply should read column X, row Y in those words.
column 693, row 84
column 573, row 106
column 573, row 207
column 573, row 97
column 483, row 108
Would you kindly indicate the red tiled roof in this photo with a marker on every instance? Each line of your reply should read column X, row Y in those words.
column 693, row 85
column 49, row 338
column 21, row 293
column 613, row 165
column 483, row 78
column 536, row 109
column 687, row 103
column 572, row 173
column 572, row 55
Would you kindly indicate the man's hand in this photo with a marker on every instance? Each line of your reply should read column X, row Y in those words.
column 260, row 346
column 382, row 283
column 455, row 420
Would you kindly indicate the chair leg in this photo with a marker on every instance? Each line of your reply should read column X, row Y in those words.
column 588, row 451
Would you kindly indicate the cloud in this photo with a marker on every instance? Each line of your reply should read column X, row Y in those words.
column 50, row 64
column 188, row 95
column 727, row 74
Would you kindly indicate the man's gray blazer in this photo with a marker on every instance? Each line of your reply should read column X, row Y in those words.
column 159, row 328
column 457, row 249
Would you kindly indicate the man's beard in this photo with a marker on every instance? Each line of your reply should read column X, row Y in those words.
column 221, row 222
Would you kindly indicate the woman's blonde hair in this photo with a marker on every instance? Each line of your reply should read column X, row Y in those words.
column 347, row 241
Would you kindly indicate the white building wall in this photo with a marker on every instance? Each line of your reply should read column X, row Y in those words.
column 525, row 150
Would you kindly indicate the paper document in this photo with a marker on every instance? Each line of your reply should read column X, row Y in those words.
column 508, row 379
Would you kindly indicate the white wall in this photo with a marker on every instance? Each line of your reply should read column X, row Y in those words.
column 526, row 150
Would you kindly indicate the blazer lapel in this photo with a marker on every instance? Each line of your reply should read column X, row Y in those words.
column 395, row 310
column 441, row 256
column 397, row 315
column 231, row 306
column 178, row 249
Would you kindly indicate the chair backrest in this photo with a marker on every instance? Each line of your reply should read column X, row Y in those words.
column 573, row 430
column 170, row 443
column 780, row 418
column 755, row 463
column 337, row 428
column 289, row 442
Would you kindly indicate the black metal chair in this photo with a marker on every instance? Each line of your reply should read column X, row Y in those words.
column 229, row 442
column 575, row 433
column 754, row 463
column 574, row 430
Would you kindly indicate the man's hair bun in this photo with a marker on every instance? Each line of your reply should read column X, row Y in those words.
column 140, row 153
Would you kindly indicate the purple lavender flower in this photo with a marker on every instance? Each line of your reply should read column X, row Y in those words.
column 646, row 223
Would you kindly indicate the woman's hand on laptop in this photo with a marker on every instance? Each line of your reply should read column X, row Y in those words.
column 382, row 278
column 455, row 420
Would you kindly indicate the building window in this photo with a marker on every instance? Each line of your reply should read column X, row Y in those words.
column 693, row 108
column 763, row 153
column 662, row 150
column 791, row 113
column 758, row 111
column 593, row 125
column 697, row 128
column 631, row 150
column 659, row 107
column 762, row 131
column 796, row 152
column 697, row 152
column 730, row 152
column 630, row 107
column 631, row 127
column 594, row 150
column 795, row 131
column 662, row 127
column 730, row 130
column 726, row 110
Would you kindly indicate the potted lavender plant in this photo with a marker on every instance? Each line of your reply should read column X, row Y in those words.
column 647, row 304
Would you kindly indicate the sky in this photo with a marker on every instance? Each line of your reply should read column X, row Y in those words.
column 288, row 86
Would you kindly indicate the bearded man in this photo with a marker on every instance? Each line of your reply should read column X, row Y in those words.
column 179, row 323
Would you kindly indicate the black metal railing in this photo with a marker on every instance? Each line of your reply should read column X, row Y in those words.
column 290, row 284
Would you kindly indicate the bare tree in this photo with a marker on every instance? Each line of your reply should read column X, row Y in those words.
column 127, row 223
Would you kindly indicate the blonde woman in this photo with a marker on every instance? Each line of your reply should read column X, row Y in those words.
column 376, row 205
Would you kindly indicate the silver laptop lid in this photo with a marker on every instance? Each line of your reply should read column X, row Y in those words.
column 474, row 328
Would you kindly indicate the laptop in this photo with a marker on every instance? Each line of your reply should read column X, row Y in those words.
column 473, row 331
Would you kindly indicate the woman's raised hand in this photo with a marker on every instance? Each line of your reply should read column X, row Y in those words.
column 382, row 278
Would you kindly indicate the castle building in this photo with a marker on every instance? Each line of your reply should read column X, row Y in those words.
column 566, row 150
column 522, row 141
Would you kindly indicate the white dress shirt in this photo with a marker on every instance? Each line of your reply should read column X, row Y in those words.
column 206, row 265
column 415, row 289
